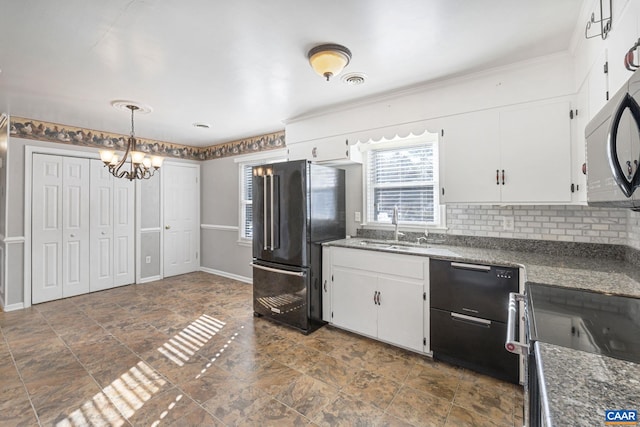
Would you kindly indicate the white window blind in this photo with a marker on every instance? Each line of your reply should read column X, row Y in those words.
column 405, row 177
column 246, row 214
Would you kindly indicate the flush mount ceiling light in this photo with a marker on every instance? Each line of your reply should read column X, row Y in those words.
column 140, row 166
column 329, row 59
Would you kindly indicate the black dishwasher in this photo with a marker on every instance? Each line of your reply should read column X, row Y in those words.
column 469, row 316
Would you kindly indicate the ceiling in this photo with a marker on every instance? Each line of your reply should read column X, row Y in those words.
column 242, row 66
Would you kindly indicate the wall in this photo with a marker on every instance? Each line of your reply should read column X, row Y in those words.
column 150, row 227
column 221, row 252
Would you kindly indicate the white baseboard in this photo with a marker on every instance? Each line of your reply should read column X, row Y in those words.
column 228, row 275
column 12, row 307
column 149, row 279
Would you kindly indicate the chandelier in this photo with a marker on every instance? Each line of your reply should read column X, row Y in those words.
column 133, row 164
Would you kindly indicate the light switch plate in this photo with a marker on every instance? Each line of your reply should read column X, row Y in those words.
column 357, row 217
column 508, row 223
column 147, row 260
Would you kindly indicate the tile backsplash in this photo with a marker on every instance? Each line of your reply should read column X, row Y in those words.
column 565, row 223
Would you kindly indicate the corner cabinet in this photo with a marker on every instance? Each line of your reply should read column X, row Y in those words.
column 377, row 294
column 519, row 155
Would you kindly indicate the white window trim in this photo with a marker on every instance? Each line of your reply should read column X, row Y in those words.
column 272, row 156
column 400, row 142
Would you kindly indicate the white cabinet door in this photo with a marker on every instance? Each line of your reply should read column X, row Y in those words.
column 180, row 208
column 352, row 300
column 535, row 144
column 326, row 284
column 400, row 312
column 471, row 157
column 75, row 228
column 46, row 246
column 101, row 235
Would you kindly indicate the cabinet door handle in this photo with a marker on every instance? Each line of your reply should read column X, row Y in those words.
column 502, row 176
column 375, row 293
column 497, row 177
column 378, row 297
column 325, row 285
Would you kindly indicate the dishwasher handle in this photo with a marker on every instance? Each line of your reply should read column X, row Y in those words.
column 511, row 344
column 476, row 267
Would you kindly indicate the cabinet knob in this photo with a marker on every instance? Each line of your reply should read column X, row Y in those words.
column 167, row 227
column 72, row 236
column 104, row 233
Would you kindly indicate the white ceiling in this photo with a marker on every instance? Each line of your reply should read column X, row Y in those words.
column 241, row 65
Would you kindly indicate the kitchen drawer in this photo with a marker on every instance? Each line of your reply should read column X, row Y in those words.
column 474, row 344
column 472, row 289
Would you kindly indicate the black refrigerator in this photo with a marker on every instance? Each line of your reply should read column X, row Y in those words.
column 296, row 206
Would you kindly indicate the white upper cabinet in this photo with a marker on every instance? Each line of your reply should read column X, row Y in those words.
column 334, row 150
column 516, row 155
column 470, row 158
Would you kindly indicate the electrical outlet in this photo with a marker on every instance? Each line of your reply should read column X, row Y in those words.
column 508, row 223
column 147, row 260
column 357, row 217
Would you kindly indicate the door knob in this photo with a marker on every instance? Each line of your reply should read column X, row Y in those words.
column 166, row 227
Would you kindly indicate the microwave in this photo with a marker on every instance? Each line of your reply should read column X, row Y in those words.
column 613, row 150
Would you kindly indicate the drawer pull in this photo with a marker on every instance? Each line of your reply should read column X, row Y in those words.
column 471, row 319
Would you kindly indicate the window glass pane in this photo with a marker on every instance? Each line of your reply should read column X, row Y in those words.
column 402, row 177
column 415, row 204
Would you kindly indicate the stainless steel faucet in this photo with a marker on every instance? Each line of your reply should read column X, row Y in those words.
column 394, row 221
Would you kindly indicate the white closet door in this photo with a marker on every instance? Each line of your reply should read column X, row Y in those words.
column 101, row 234
column 181, row 207
column 46, row 263
column 123, row 232
column 75, row 228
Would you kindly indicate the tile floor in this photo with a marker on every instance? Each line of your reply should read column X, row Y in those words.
column 187, row 351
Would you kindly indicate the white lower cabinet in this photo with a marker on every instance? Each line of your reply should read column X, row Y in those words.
column 380, row 295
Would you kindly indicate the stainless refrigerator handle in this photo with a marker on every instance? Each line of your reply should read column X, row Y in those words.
column 264, row 219
column 470, row 266
column 511, row 344
column 277, row 270
column 272, row 239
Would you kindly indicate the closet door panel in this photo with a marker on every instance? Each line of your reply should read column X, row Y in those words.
column 46, row 264
column 75, row 228
column 101, row 234
column 124, row 232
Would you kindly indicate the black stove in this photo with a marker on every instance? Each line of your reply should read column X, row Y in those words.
column 589, row 321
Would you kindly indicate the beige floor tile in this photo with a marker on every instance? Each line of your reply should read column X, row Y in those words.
column 437, row 378
column 307, row 395
column 348, row 411
column 495, row 402
column 332, row 371
column 237, row 402
column 274, row 413
column 372, row 388
column 419, row 407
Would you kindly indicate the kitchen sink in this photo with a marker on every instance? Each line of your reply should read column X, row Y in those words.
column 412, row 248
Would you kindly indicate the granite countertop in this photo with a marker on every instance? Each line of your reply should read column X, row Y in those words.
column 593, row 274
column 579, row 386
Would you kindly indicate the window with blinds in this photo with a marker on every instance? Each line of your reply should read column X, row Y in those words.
column 246, row 193
column 246, row 206
column 405, row 177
